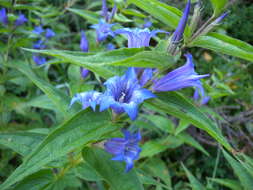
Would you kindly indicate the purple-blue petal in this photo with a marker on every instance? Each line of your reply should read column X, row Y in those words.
column 20, row 20
column 3, row 16
column 131, row 110
column 90, row 98
column 146, row 75
column 115, row 145
column 84, row 43
column 38, row 30
column 49, row 33
column 177, row 35
column 84, row 72
column 179, row 78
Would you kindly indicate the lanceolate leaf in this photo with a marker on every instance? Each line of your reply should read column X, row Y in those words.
column 175, row 104
column 195, row 184
column 59, row 99
column 218, row 6
column 112, row 172
column 84, row 127
column 21, row 142
column 101, row 63
column 224, row 44
column 244, row 176
column 89, row 15
column 230, row 183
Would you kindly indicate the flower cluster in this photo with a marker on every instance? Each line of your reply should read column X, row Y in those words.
column 44, row 35
column 21, row 19
column 124, row 94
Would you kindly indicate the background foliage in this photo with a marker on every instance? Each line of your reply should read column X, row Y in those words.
column 46, row 145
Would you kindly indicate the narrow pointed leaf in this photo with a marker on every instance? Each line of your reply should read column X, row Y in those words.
column 84, row 127
column 221, row 43
column 244, row 176
column 195, row 183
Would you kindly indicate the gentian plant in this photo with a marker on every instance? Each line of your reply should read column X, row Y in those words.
column 125, row 102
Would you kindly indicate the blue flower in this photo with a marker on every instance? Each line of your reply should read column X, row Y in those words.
column 110, row 46
column 125, row 149
column 38, row 30
column 103, row 30
column 84, row 43
column 3, row 16
column 124, row 94
column 84, row 72
column 138, row 37
column 49, row 33
column 177, row 35
column 90, row 98
column 20, row 20
column 179, row 78
column 39, row 44
column 39, row 60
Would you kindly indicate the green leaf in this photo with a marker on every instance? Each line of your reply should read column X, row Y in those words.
column 36, row 181
column 177, row 105
column 111, row 171
column 86, row 172
column 188, row 139
column 21, row 142
column 157, row 168
column 218, row 6
column 195, row 184
column 167, row 14
column 91, row 16
column 81, row 129
column 230, row 183
column 245, row 178
column 221, row 43
column 59, row 99
column 154, row 147
column 161, row 122
column 40, row 102
column 183, row 124
column 101, row 63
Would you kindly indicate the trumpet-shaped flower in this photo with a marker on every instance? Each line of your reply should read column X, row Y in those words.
column 179, row 78
column 3, row 16
column 90, row 98
column 20, row 20
column 49, row 33
column 103, row 30
column 138, row 37
column 124, row 94
column 125, row 149
column 177, row 35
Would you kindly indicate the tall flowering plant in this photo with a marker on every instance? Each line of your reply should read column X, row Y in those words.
column 135, row 91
